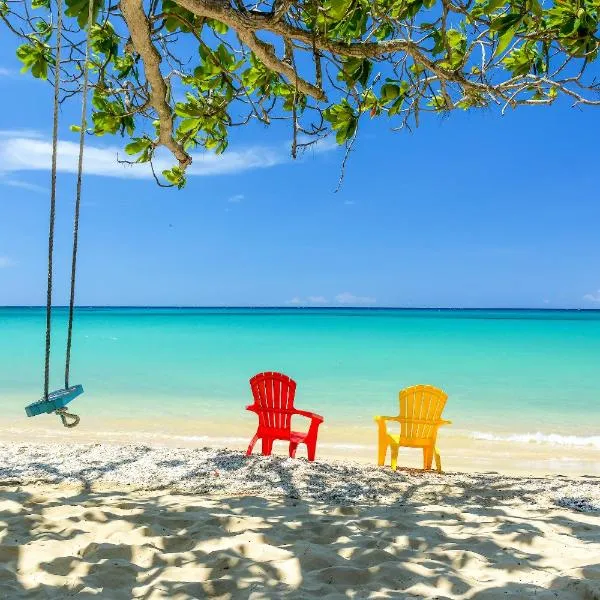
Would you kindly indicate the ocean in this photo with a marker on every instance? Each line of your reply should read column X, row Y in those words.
column 526, row 376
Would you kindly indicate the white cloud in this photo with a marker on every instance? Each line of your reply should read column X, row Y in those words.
column 351, row 299
column 32, row 187
column 24, row 153
column 20, row 133
column 345, row 298
column 4, row 72
column 235, row 161
column 236, row 198
column 26, row 150
column 6, row 262
column 309, row 301
column 593, row 297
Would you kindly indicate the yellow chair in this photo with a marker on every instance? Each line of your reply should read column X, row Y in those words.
column 421, row 409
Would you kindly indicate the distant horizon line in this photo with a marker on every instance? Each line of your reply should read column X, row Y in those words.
column 300, row 307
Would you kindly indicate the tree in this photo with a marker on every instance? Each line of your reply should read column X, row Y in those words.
column 182, row 73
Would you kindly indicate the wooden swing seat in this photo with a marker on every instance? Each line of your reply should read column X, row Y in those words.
column 55, row 401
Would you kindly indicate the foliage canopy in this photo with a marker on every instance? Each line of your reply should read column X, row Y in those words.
column 182, row 73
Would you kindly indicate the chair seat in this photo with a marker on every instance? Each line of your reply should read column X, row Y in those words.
column 411, row 442
column 278, row 434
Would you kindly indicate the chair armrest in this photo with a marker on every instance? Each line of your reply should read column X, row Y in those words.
column 418, row 421
column 309, row 415
column 252, row 407
column 381, row 421
column 385, row 418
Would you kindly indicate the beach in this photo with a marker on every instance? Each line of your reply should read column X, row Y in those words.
column 135, row 521
column 151, row 495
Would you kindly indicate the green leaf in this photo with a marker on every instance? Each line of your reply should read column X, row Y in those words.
column 123, row 65
column 384, row 32
column 217, row 26
column 104, row 40
column 80, row 10
column 416, row 68
column 390, row 91
column 525, row 59
column 493, row 5
column 505, row 39
column 536, row 8
column 172, row 11
column 501, row 24
column 345, row 132
column 137, row 145
column 337, row 9
column 355, row 70
column 395, row 108
column 35, row 57
column 438, row 102
column 175, row 176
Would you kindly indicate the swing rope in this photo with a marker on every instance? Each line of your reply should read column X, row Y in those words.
column 52, row 200
column 68, row 419
column 82, row 131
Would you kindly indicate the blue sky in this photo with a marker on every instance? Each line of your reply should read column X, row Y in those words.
column 472, row 210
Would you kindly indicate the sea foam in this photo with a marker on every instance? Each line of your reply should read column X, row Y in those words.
column 553, row 439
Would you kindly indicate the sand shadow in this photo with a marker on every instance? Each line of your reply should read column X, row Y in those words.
column 114, row 544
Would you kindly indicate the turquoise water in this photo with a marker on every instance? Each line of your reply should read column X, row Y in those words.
column 505, row 371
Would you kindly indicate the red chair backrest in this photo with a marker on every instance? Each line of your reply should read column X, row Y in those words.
column 274, row 395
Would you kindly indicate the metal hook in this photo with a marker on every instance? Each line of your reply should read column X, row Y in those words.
column 65, row 416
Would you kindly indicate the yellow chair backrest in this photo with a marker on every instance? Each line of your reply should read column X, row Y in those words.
column 421, row 408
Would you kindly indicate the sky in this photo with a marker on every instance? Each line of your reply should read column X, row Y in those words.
column 471, row 210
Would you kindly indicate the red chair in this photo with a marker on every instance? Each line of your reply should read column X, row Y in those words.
column 274, row 405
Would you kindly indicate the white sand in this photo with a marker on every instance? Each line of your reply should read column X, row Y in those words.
column 140, row 522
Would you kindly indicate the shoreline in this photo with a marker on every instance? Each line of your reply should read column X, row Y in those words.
column 461, row 450
column 223, row 471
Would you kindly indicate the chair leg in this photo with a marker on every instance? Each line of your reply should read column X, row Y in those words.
column 438, row 460
column 293, row 448
column 251, row 445
column 427, row 457
column 267, row 446
column 394, row 452
column 311, row 450
column 381, row 452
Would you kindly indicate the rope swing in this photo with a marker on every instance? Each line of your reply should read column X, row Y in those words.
column 55, row 402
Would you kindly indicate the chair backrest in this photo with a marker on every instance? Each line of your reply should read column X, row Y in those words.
column 421, row 403
column 274, row 395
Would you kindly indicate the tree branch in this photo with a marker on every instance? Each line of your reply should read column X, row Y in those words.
column 266, row 53
column 139, row 28
column 249, row 22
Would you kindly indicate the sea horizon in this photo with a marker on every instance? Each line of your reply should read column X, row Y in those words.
column 311, row 307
